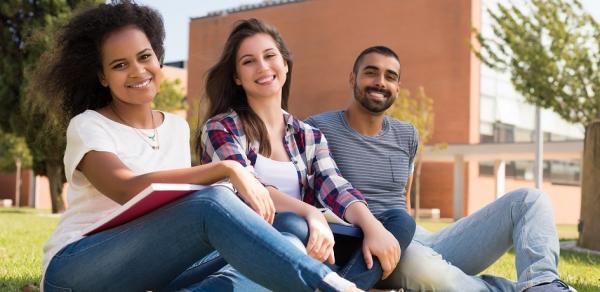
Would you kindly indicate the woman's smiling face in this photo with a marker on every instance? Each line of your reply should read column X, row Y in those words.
column 130, row 68
column 260, row 68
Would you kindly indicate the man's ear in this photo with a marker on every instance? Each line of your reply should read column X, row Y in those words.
column 352, row 79
column 102, row 79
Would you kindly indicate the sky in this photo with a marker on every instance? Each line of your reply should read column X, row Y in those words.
column 177, row 14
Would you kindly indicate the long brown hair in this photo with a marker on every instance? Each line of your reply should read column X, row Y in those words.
column 224, row 94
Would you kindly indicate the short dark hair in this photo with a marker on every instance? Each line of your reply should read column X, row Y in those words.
column 73, row 65
column 383, row 50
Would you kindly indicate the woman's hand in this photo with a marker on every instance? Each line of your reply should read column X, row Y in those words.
column 381, row 243
column 251, row 190
column 320, row 240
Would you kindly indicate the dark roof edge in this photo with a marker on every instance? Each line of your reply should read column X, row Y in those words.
column 247, row 7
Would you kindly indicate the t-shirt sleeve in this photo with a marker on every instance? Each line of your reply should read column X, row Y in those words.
column 311, row 121
column 84, row 135
column 414, row 146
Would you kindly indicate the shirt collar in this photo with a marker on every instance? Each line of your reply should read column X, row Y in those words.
column 291, row 124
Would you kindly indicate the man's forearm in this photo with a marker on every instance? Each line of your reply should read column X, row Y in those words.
column 358, row 214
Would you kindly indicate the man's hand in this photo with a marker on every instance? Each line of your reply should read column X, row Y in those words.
column 381, row 243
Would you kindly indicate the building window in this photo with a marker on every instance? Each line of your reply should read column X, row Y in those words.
column 564, row 172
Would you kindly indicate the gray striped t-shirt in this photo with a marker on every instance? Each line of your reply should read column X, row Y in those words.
column 378, row 166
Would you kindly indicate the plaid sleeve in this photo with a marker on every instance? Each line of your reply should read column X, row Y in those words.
column 219, row 143
column 333, row 190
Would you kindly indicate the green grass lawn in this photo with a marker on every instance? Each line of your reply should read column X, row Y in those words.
column 582, row 271
column 24, row 231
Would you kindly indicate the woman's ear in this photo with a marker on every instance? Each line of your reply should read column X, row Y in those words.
column 102, row 79
column 237, row 80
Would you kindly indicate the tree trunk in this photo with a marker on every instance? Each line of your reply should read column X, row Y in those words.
column 18, row 183
column 55, row 179
column 589, row 236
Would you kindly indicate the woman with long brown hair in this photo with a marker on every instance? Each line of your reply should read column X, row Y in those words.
column 248, row 89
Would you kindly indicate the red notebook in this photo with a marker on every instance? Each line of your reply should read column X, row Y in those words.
column 151, row 198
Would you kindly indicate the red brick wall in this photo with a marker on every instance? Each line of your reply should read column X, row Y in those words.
column 325, row 36
column 7, row 186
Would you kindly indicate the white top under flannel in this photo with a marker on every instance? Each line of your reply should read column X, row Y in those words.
column 319, row 179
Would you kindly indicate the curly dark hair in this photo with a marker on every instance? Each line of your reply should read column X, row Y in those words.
column 72, row 73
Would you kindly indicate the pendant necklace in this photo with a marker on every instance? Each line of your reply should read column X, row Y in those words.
column 151, row 140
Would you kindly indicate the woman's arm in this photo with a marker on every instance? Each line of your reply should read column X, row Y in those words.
column 219, row 144
column 107, row 173
column 320, row 240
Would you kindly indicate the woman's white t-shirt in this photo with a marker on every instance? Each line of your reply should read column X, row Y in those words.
column 92, row 131
column 281, row 174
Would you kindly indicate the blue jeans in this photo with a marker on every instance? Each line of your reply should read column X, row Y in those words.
column 450, row 259
column 348, row 250
column 398, row 222
column 214, row 269
column 150, row 252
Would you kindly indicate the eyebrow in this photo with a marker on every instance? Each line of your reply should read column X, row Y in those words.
column 123, row 59
column 250, row 55
column 389, row 71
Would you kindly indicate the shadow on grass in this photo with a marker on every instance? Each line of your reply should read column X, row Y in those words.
column 25, row 285
column 14, row 211
column 22, row 210
column 584, row 258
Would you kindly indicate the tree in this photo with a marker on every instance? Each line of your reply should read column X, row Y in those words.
column 26, row 32
column 418, row 111
column 14, row 155
column 551, row 48
column 170, row 97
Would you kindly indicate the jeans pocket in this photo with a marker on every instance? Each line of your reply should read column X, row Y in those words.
column 48, row 287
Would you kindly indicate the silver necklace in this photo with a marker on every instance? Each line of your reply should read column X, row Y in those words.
column 151, row 140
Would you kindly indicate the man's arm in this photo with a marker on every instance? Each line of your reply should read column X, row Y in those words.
column 408, row 189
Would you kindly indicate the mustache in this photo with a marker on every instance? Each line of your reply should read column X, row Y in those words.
column 385, row 92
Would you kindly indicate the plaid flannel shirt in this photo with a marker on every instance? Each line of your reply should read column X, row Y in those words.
column 320, row 180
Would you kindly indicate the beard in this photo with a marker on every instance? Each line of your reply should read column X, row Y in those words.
column 361, row 95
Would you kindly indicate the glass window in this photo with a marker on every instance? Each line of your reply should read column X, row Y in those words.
column 555, row 171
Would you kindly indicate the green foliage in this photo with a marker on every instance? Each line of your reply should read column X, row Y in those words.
column 26, row 32
column 417, row 110
column 13, row 148
column 170, row 97
column 19, row 19
column 552, row 50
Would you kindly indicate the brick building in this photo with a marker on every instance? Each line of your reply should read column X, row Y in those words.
column 432, row 39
